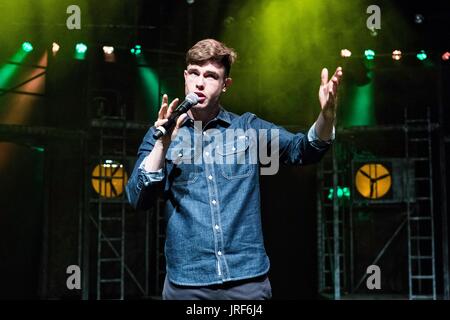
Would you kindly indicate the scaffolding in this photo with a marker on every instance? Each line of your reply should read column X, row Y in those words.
column 107, row 210
column 420, row 210
column 336, row 229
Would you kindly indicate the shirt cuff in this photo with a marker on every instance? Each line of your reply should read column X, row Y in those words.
column 315, row 141
column 150, row 176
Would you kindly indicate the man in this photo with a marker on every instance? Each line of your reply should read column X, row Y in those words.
column 214, row 245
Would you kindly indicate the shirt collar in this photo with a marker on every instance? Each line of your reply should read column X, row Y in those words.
column 223, row 116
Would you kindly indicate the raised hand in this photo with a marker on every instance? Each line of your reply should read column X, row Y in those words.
column 328, row 92
column 163, row 115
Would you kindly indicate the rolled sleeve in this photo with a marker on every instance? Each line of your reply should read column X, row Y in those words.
column 150, row 177
column 316, row 142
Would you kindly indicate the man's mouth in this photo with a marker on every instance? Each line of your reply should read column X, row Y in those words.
column 201, row 97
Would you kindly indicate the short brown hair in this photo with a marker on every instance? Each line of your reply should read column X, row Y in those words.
column 210, row 49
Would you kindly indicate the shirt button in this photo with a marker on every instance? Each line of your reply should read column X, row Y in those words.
column 219, row 253
column 204, row 133
column 210, row 177
column 216, row 227
column 206, row 153
column 214, row 202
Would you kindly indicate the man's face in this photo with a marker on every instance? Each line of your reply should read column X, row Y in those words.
column 207, row 81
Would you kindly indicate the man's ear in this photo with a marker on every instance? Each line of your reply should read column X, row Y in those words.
column 228, row 82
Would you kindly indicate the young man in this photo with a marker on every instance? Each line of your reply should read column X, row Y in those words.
column 214, row 245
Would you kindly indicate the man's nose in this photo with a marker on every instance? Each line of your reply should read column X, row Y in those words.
column 200, row 83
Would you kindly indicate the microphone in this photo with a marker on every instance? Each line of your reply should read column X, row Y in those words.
column 190, row 101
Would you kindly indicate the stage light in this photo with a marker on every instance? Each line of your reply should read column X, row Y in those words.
column 80, row 51
column 418, row 18
column 446, row 56
column 345, row 53
column 136, row 50
column 27, row 47
column 373, row 180
column 81, row 48
column 396, row 55
column 370, row 54
column 109, row 178
column 108, row 49
column 421, row 55
column 341, row 192
column 55, row 48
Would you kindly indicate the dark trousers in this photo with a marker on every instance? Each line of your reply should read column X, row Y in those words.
column 249, row 289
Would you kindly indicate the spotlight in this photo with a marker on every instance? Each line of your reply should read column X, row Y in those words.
column 136, row 50
column 55, row 48
column 27, row 47
column 418, row 18
column 421, row 55
column 396, row 55
column 370, row 54
column 108, row 49
column 190, row 1
column 81, row 48
column 80, row 51
column 229, row 21
column 345, row 53
column 446, row 56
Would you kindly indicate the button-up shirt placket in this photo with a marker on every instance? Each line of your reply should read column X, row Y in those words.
column 215, row 204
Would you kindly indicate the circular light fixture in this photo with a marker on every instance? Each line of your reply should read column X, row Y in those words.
column 396, row 55
column 345, row 53
column 108, row 49
column 109, row 179
column 373, row 180
column 27, row 47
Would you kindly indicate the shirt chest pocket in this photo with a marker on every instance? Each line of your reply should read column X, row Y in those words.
column 236, row 159
column 180, row 166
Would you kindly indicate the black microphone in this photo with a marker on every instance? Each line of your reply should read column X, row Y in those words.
column 190, row 101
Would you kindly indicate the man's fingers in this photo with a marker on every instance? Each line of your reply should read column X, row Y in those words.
column 172, row 107
column 324, row 76
column 163, row 109
column 181, row 119
column 338, row 74
column 160, row 122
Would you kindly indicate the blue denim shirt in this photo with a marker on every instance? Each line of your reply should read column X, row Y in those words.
column 213, row 215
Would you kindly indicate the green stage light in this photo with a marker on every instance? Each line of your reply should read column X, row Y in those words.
column 81, row 48
column 137, row 50
column 346, row 191
column 27, row 47
column 370, row 54
column 342, row 192
column 421, row 55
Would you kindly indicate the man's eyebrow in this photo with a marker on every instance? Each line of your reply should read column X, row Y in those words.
column 192, row 69
column 212, row 73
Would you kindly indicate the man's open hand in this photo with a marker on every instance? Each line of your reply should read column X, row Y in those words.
column 328, row 92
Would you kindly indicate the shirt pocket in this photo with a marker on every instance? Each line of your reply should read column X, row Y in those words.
column 236, row 158
column 181, row 167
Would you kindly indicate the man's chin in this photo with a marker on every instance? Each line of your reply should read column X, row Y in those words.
column 200, row 106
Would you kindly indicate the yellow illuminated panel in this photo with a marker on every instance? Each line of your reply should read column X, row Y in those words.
column 373, row 180
column 109, row 179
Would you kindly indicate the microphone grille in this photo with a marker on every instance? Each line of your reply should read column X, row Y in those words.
column 192, row 97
